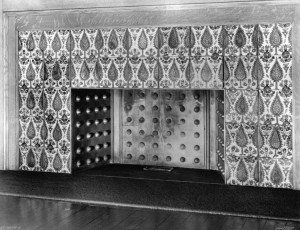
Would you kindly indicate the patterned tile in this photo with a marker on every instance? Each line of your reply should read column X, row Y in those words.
column 241, row 139
column 276, row 39
column 241, row 105
column 206, row 73
column 143, row 45
column 239, row 72
column 276, row 173
column 206, row 41
column 275, row 106
column 242, row 171
column 275, row 73
column 239, row 40
column 276, row 140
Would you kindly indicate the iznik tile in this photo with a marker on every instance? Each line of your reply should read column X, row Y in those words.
column 276, row 173
column 28, row 45
column 241, row 105
column 275, row 106
column 206, row 73
column 275, row 73
column 276, row 141
column 242, row 171
column 207, row 41
column 241, row 140
column 239, row 40
column 240, row 72
column 276, row 40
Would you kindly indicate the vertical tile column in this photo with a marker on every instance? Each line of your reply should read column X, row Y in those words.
column 241, row 103
column 31, row 114
column 56, row 124
column 276, row 122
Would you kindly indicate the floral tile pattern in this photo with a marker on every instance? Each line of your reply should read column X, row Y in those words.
column 275, row 40
column 240, row 40
column 276, row 173
column 241, row 106
column 240, row 72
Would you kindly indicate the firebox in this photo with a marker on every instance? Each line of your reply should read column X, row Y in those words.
column 151, row 127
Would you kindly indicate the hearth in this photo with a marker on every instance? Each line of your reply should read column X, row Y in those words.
column 151, row 127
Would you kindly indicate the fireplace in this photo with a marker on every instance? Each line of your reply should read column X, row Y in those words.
column 151, row 127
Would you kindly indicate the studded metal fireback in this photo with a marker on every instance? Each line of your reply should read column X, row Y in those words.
column 91, row 127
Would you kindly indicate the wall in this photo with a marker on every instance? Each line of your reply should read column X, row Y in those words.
column 184, row 13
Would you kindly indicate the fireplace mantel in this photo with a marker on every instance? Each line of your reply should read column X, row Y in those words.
column 34, row 16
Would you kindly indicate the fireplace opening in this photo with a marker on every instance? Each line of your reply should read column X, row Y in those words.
column 148, row 127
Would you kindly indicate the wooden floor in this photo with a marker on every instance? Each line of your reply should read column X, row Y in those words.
column 26, row 213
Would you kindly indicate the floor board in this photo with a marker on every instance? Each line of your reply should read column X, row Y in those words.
column 39, row 214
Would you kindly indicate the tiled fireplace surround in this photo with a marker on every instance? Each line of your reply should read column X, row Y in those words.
column 250, row 62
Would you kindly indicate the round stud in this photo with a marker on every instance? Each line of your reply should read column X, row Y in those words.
column 97, row 147
column 169, row 133
column 97, row 134
column 77, row 99
column 141, row 144
column 88, row 135
column 88, row 123
column 196, row 160
column 154, row 133
column 182, row 121
column 154, row 96
column 169, row 146
column 155, row 145
column 182, row 146
column 129, row 119
column 142, row 157
column 78, row 111
column 96, row 97
column 169, row 121
column 196, row 147
column 106, row 157
column 196, row 135
column 168, row 158
column 168, row 96
column 78, row 137
column 97, row 159
column 168, row 108
column 78, row 151
column 78, row 164
column 88, row 149
column 88, row 161
column 182, row 96
column 182, row 159
column 105, row 145
column 196, row 122
column 196, row 96
column 87, row 98
column 105, row 133
column 128, row 144
column 155, row 108
column 181, row 108
column 128, row 107
column 96, row 110
column 182, row 134
column 141, row 94
column 155, row 158
column 88, row 111
column 196, row 109
column 155, row 120
column 128, row 131
column 104, row 96
column 141, row 120
column 96, row 122
column 141, row 132
column 129, row 156
column 105, row 121
column 78, row 124
column 129, row 94
column 142, row 107
column 104, row 109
